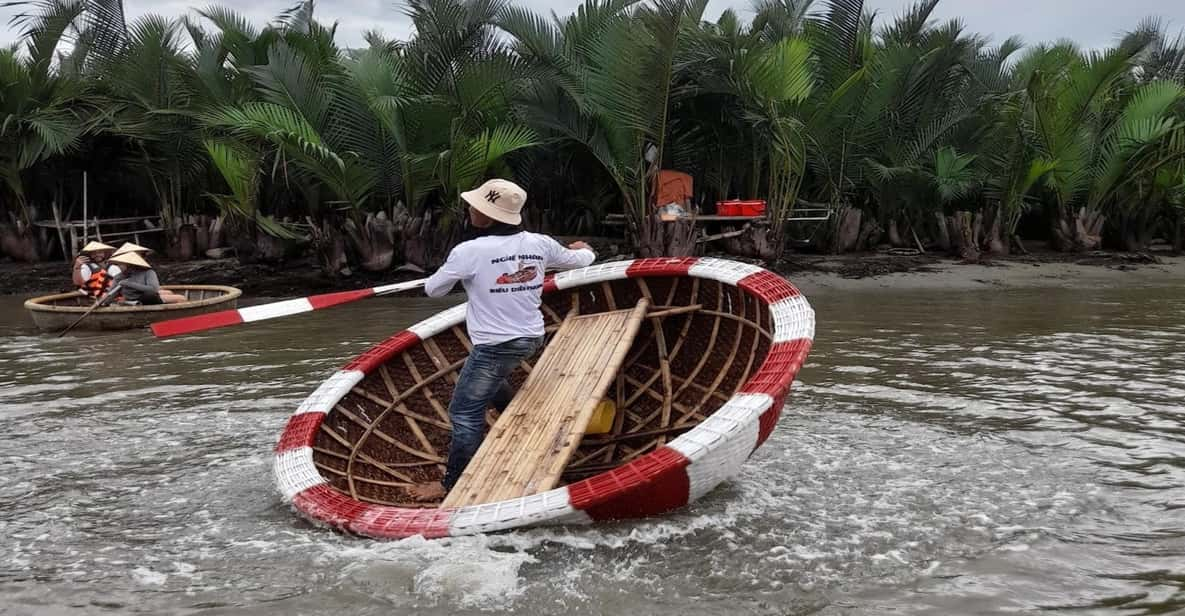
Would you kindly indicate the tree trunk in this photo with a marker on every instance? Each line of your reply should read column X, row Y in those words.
column 914, row 234
column 330, row 247
column 373, row 241
column 1079, row 231
column 218, row 232
column 755, row 241
column 994, row 242
column 1178, row 236
column 1018, row 245
column 1136, row 232
column 847, row 233
column 944, row 242
column 417, row 245
column 181, row 241
column 956, row 233
column 870, row 234
column 659, row 238
column 243, row 239
column 270, row 249
column 968, row 242
column 201, row 235
column 186, row 242
column 895, row 234
column 1091, row 228
column 19, row 241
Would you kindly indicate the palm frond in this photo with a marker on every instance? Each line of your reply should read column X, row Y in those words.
column 909, row 28
column 45, row 26
column 783, row 73
column 274, row 123
column 469, row 163
column 836, row 38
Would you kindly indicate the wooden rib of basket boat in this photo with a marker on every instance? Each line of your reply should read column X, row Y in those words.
column 53, row 313
column 700, row 341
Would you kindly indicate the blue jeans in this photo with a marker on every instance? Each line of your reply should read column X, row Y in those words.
column 482, row 384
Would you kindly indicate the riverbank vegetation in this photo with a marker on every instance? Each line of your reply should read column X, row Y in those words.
column 275, row 139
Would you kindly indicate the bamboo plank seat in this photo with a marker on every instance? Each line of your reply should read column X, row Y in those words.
column 535, row 437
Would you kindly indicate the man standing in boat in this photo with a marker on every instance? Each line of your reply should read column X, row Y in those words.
column 501, row 267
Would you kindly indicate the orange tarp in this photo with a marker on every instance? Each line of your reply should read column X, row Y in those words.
column 672, row 187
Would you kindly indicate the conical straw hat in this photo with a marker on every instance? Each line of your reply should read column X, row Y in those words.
column 94, row 246
column 130, row 258
column 130, row 247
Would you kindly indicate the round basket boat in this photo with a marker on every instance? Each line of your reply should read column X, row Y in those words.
column 53, row 313
column 720, row 362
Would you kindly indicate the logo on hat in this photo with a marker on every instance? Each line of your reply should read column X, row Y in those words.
column 493, row 196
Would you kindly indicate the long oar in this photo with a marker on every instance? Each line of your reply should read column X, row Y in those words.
column 226, row 318
column 99, row 303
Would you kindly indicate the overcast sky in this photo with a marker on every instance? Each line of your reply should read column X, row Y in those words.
column 1092, row 23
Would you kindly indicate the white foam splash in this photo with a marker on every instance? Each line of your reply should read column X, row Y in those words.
column 148, row 577
column 463, row 571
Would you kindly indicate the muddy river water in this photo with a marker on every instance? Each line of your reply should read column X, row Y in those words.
column 942, row 453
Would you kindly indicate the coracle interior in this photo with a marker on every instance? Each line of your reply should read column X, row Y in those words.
column 392, row 430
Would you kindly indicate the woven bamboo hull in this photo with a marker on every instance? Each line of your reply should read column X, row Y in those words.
column 53, row 313
column 701, row 387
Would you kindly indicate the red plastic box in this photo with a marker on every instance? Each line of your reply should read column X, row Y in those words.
column 753, row 208
column 728, row 208
column 741, row 208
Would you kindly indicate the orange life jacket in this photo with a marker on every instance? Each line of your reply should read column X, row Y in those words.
column 97, row 284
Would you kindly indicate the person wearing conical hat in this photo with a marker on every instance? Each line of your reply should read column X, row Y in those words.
column 90, row 260
column 125, row 248
column 132, row 247
column 501, row 267
column 138, row 283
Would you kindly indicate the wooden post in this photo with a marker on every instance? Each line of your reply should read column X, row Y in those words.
column 57, row 223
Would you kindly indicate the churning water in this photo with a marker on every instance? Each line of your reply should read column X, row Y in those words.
column 970, row 453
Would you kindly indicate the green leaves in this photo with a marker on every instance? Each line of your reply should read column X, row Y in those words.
column 239, row 168
column 276, row 124
column 953, row 176
column 781, row 74
column 44, row 26
column 1143, row 124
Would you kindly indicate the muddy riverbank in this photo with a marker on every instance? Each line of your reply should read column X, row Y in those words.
column 1045, row 270
column 809, row 272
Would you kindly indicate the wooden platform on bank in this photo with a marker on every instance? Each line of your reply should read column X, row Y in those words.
column 534, row 438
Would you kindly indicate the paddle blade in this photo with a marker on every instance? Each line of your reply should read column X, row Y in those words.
column 333, row 299
column 196, row 323
column 262, row 312
column 288, row 307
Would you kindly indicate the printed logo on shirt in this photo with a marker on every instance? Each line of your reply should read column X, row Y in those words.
column 520, row 279
column 524, row 274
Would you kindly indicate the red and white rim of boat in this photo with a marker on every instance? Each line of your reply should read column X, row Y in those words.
column 665, row 479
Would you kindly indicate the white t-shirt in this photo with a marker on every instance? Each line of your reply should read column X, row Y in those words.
column 503, row 277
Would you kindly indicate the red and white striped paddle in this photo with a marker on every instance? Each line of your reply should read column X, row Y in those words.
column 225, row 318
